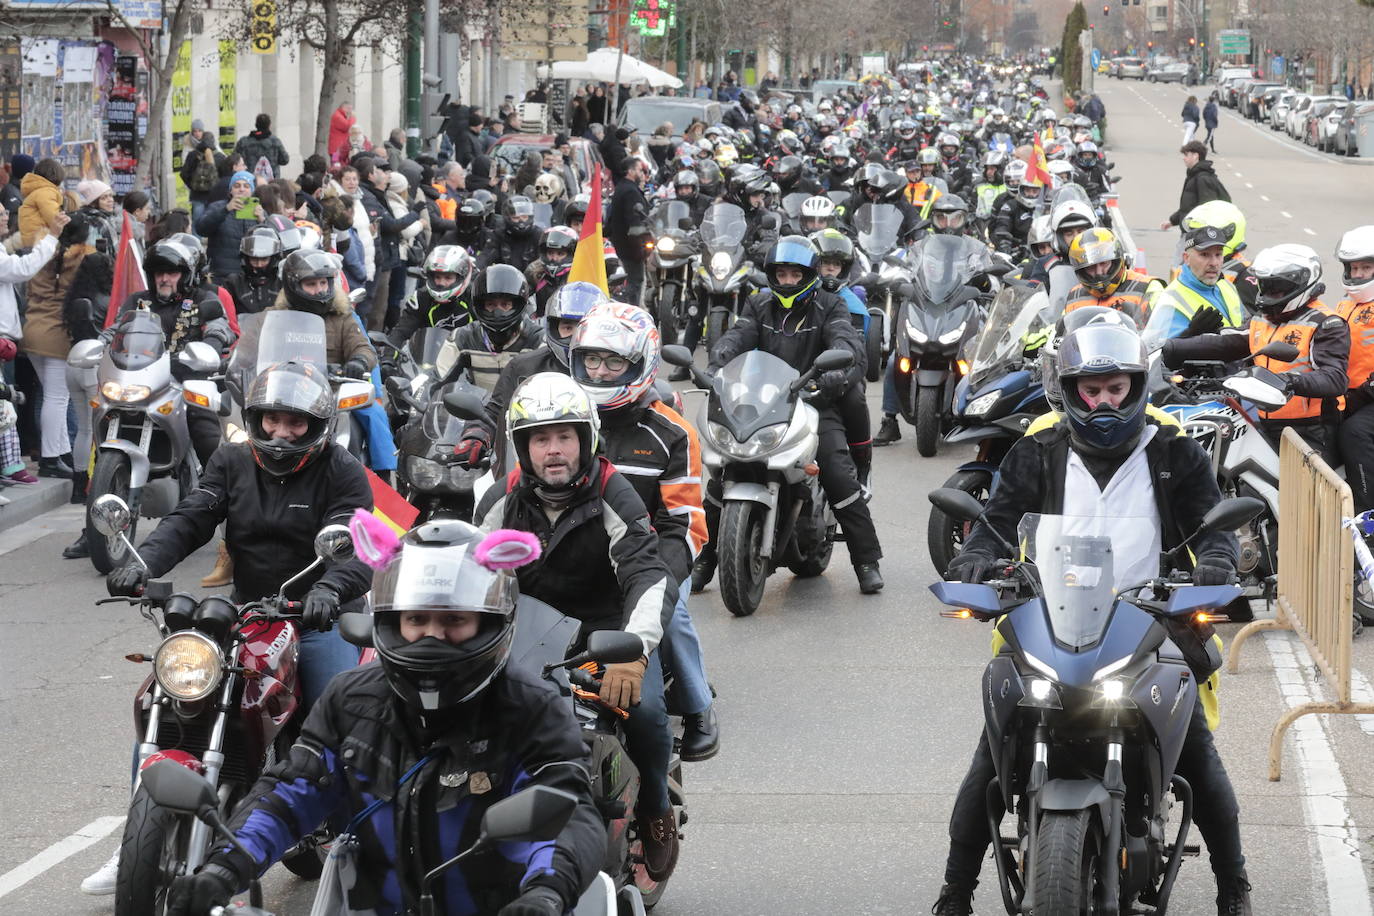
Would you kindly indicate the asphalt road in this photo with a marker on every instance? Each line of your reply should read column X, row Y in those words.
column 848, row 720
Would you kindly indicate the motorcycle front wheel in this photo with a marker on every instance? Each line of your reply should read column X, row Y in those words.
column 1068, row 854
column 927, row 421
column 667, row 314
column 152, row 853
column 743, row 570
column 112, row 475
column 944, row 534
column 717, row 323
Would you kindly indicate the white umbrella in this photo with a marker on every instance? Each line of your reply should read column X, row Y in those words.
column 601, row 66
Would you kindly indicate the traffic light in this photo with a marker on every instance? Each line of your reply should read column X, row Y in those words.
column 1150, row 45
column 1192, row 42
column 1105, row 9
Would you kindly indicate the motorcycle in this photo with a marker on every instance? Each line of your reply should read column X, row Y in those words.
column 1087, row 706
column 670, row 269
column 942, row 316
column 791, row 206
column 722, row 270
column 143, row 445
column 889, row 270
column 223, row 692
column 993, row 405
column 760, row 439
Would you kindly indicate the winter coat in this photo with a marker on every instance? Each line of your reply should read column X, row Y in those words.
column 16, row 269
column 42, row 201
column 1209, row 115
column 261, row 144
column 629, row 210
column 1190, row 113
column 343, row 339
column 1200, row 185
column 45, row 333
column 765, row 325
column 224, row 232
column 339, row 123
column 93, row 281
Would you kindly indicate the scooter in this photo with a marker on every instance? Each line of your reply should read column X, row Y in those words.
column 759, row 438
column 143, row 446
column 1087, row 707
column 223, row 691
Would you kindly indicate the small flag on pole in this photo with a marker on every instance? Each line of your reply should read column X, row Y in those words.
column 128, row 270
column 589, row 264
column 390, row 506
column 1039, row 170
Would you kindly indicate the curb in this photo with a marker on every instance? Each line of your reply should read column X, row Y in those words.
column 28, row 501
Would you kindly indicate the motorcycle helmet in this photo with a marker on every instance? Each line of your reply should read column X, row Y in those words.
column 548, row 187
column 885, row 184
column 949, row 215
column 792, row 251
column 262, row 244
column 906, row 129
column 200, row 261
column 617, row 280
column 1048, row 118
column 435, row 569
column 1104, row 347
column 789, row 144
column 1067, row 220
column 572, row 302
column 833, row 246
column 519, row 215
column 552, row 399
column 1099, row 260
column 556, row 247
column 1070, row 321
column 787, row 170
column 1285, row 275
column 455, row 265
column 1015, row 173
column 709, row 178
column 749, row 182
column 167, row 256
column 1222, row 215
column 290, row 387
column 576, row 210
column 470, row 218
column 299, row 270
column 996, row 160
column 500, row 283
column 1087, row 155
column 1040, row 237
column 685, row 185
column 1356, row 245
column 948, row 144
column 1061, row 173
column 627, row 333
column 817, row 213
column 929, row 160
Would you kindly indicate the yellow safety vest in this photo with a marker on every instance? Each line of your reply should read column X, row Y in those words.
column 1187, row 301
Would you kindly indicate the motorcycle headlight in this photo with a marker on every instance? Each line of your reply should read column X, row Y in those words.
column 127, row 394
column 914, row 332
column 1041, row 693
column 187, row 666
column 953, row 336
column 982, row 404
column 425, row 474
column 667, row 245
column 760, row 443
column 1112, row 690
column 720, row 265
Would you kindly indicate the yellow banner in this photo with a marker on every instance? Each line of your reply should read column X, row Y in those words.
column 228, row 95
column 264, row 26
column 181, row 117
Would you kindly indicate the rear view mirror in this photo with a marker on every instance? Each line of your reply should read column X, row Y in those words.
column 614, row 647
column 834, row 359
column 1230, row 514
column 110, row 515
column 538, row 813
column 464, row 405
column 356, row 629
column 174, row 787
column 85, row 354
column 677, row 355
column 334, row 544
column 958, row 504
column 1280, row 350
column 199, row 357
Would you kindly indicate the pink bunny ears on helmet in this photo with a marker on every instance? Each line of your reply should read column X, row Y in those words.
column 376, row 544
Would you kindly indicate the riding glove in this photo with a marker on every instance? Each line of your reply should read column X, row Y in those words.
column 356, row 368
column 832, row 384
column 321, row 609
column 198, row 894
column 1209, row 571
column 620, row 684
column 537, row 901
column 969, row 567
column 470, row 452
column 127, row 581
column 1204, row 321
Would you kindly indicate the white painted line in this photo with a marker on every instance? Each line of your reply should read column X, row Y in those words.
column 1335, row 837
column 66, row 519
column 1308, row 231
column 1285, row 214
column 1264, row 197
column 1249, row 185
column 89, row 835
column 1362, row 691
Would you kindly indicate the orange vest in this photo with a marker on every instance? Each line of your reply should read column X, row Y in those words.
column 448, row 207
column 1298, row 332
column 1133, row 297
column 1360, row 317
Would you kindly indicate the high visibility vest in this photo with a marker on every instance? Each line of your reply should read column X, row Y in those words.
column 922, row 195
column 1298, row 332
column 1187, row 301
column 1360, row 317
column 1133, row 296
column 987, row 195
column 448, row 207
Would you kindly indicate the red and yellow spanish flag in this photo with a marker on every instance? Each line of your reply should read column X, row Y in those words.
column 589, row 263
column 1039, row 169
column 390, row 506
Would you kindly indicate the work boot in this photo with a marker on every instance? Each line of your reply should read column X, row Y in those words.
column 658, row 835
column 1238, row 611
column 1233, row 895
column 79, row 483
column 223, row 573
column 888, row 431
column 79, row 549
column 704, row 569
column 55, row 467
column 870, row 578
column 101, row 883
column 700, row 736
column 954, row 901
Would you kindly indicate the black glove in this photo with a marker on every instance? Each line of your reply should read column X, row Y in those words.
column 321, row 608
column 127, row 581
column 537, row 901
column 198, row 894
column 969, row 566
column 419, row 205
column 356, row 368
column 1212, row 571
column 1286, row 378
column 832, row 384
column 1205, row 320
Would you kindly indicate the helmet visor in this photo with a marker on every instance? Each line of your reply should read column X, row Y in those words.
column 442, row 578
column 1101, row 350
column 301, row 389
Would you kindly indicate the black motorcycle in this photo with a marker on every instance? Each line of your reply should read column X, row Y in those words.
column 669, row 273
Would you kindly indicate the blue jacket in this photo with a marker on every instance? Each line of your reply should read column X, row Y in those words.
column 224, row 232
column 1190, row 112
column 1209, row 115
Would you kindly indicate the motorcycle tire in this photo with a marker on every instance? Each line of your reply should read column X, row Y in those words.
column 667, row 315
column 743, row 570
column 151, row 852
column 112, row 475
column 1068, row 852
column 927, row 421
column 945, row 535
column 717, row 323
column 873, row 350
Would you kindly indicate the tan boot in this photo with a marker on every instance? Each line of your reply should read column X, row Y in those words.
column 223, row 573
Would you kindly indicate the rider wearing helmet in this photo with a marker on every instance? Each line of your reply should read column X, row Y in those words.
column 441, row 299
column 795, row 320
column 255, row 286
column 711, row 183
column 920, row 190
column 516, row 240
column 601, row 565
column 1356, row 254
column 835, row 267
column 793, row 177
column 841, row 166
column 1011, row 219
column 310, row 283
column 949, row 216
column 1090, row 169
column 687, row 188
column 1288, row 280
column 443, row 625
column 817, row 213
column 907, row 142
column 992, row 186
column 952, row 166
column 545, row 275
column 500, row 303
column 1067, row 220
column 1104, row 278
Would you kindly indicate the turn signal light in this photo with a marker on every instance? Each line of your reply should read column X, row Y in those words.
column 192, row 397
column 904, row 364
column 358, row 400
column 963, row 366
column 166, row 408
column 812, row 469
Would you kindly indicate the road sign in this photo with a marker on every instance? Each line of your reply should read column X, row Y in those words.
column 1096, row 58
column 1233, row 41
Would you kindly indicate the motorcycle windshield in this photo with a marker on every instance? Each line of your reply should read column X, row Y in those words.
column 792, row 204
column 669, row 216
column 723, row 227
column 425, row 345
column 752, row 391
column 945, row 265
column 878, row 225
column 1072, row 191
column 1000, row 347
column 138, row 341
column 440, row 426
column 277, row 336
column 1082, row 563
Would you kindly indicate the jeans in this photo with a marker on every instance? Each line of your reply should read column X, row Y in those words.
column 890, row 405
column 681, row 648
column 323, row 655
column 649, row 741
column 79, row 392
column 198, row 207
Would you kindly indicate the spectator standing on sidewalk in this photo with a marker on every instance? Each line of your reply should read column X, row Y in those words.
column 340, row 123
column 261, row 143
column 1191, row 119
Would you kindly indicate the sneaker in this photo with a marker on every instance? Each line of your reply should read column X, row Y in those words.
column 1233, row 895
column 658, row 836
column 954, row 901
column 21, row 476
column 888, row 432
column 870, row 579
column 101, row 883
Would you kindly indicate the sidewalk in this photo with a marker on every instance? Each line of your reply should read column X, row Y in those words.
column 27, row 501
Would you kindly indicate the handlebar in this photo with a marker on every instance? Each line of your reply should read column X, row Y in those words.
column 581, row 677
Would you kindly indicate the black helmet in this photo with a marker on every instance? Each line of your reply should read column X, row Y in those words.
column 709, row 177
column 787, row 170
column 501, row 281
column 949, row 215
column 486, row 199
column 885, row 183
column 292, row 387
column 577, row 208
column 260, row 243
column 471, row 216
column 792, row 251
column 436, row 569
column 167, row 256
column 748, row 181
column 519, row 215
column 309, row 264
column 833, row 245
column 560, row 242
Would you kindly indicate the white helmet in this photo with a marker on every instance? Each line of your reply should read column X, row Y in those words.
column 1286, row 275
column 1015, row 173
column 1070, row 214
column 624, row 331
column 1061, row 172
column 1357, row 245
column 1047, row 114
column 817, row 213
column 553, row 399
column 1040, row 232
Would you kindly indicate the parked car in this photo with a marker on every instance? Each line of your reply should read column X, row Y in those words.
column 1237, row 89
column 1266, row 100
column 1114, row 67
column 1300, row 119
column 1132, row 68
column 1249, row 105
column 1173, row 72
column 647, row 112
column 1297, row 111
column 1315, row 128
column 1278, row 112
column 1345, row 137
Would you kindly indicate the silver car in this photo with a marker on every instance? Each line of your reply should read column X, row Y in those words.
column 1132, row 68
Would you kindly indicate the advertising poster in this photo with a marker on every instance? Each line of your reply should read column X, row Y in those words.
column 40, row 119
column 181, row 118
column 121, row 124
column 228, row 95
column 11, row 94
column 79, row 98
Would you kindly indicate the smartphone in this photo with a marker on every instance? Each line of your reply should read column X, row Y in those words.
column 249, row 210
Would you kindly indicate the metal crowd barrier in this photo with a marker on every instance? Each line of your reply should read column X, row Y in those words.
column 1316, row 570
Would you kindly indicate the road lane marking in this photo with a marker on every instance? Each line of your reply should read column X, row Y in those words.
column 1308, row 231
column 1249, row 185
column 1265, row 198
column 1362, row 691
column 89, row 835
column 1335, row 837
column 1285, row 214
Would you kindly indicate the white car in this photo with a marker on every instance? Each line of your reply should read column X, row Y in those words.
column 1328, row 125
column 1278, row 112
column 1297, row 120
column 1297, row 110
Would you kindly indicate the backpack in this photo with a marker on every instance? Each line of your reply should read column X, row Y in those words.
column 204, row 175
